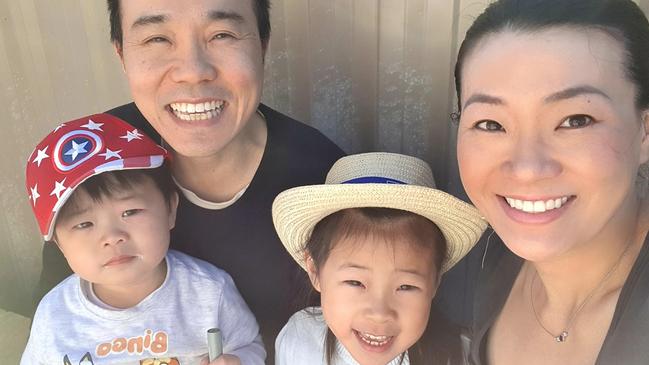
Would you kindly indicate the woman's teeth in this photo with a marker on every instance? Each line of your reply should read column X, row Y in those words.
column 537, row 206
column 374, row 340
column 199, row 111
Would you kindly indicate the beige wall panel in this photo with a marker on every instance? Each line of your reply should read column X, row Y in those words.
column 371, row 74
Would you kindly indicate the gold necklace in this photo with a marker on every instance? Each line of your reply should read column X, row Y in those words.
column 563, row 336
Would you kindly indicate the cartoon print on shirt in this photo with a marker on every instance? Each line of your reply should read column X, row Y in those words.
column 85, row 360
column 160, row 361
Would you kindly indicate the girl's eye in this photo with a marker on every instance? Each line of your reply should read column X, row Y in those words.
column 83, row 225
column 489, row 126
column 406, row 287
column 354, row 283
column 576, row 121
column 130, row 212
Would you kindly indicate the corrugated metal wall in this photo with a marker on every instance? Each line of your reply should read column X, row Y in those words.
column 371, row 74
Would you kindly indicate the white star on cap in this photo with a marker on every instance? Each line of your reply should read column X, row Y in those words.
column 76, row 149
column 111, row 154
column 58, row 188
column 93, row 126
column 41, row 156
column 35, row 195
column 134, row 134
column 59, row 127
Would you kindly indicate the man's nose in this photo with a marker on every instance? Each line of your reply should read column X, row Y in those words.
column 193, row 64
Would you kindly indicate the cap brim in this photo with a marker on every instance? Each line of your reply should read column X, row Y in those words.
column 296, row 211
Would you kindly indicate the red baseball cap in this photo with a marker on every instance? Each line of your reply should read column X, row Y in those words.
column 77, row 150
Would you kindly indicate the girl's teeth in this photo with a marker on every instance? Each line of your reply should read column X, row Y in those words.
column 537, row 206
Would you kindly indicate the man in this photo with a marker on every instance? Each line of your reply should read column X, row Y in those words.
column 195, row 71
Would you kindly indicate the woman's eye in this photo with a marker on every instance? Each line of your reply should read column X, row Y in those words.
column 576, row 121
column 83, row 225
column 130, row 212
column 489, row 126
column 354, row 283
column 406, row 287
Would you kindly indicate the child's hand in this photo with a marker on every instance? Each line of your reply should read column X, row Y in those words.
column 224, row 359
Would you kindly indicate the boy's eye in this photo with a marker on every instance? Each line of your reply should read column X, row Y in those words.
column 83, row 225
column 354, row 283
column 576, row 121
column 406, row 287
column 130, row 212
column 489, row 126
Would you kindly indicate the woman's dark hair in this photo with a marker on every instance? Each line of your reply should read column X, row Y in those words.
column 621, row 19
column 260, row 7
column 390, row 224
column 109, row 183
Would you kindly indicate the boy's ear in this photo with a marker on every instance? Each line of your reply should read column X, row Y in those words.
column 644, row 157
column 312, row 271
column 173, row 208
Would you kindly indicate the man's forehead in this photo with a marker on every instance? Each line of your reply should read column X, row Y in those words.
column 136, row 13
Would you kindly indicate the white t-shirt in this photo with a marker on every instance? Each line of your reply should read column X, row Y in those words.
column 302, row 341
column 169, row 325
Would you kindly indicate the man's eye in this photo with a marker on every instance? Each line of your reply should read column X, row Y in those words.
column 157, row 39
column 130, row 212
column 576, row 121
column 223, row 36
column 83, row 225
column 489, row 126
column 406, row 287
column 355, row 283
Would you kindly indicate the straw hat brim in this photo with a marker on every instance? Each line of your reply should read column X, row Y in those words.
column 296, row 211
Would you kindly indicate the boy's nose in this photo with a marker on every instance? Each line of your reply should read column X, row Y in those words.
column 193, row 64
column 114, row 236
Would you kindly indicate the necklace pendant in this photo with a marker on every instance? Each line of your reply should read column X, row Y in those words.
column 562, row 337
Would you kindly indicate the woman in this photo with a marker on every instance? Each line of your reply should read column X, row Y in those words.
column 553, row 130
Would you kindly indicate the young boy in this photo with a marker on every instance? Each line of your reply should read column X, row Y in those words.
column 101, row 192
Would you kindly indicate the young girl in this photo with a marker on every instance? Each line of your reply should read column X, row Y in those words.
column 375, row 240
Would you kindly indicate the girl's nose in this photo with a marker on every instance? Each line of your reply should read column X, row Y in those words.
column 380, row 309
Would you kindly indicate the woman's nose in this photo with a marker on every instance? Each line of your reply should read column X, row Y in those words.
column 530, row 159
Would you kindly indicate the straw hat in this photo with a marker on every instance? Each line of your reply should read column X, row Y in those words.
column 377, row 179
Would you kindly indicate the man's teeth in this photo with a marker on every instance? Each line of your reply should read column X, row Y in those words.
column 537, row 206
column 199, row 111
column 374, row 340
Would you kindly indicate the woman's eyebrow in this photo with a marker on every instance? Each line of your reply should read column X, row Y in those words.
column 575, row 91
column 483, row 99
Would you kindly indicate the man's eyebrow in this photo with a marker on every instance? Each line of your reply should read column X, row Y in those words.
column 217, row 15
column 572, row 92
column 484, row 99
column 148, row 19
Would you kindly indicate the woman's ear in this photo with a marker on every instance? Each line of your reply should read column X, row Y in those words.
column 312, row 271
column 644, row 146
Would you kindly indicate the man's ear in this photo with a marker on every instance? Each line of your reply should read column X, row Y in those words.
column 120, row 54
column 173, row 209
column 644, row 146
column 312, row 271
